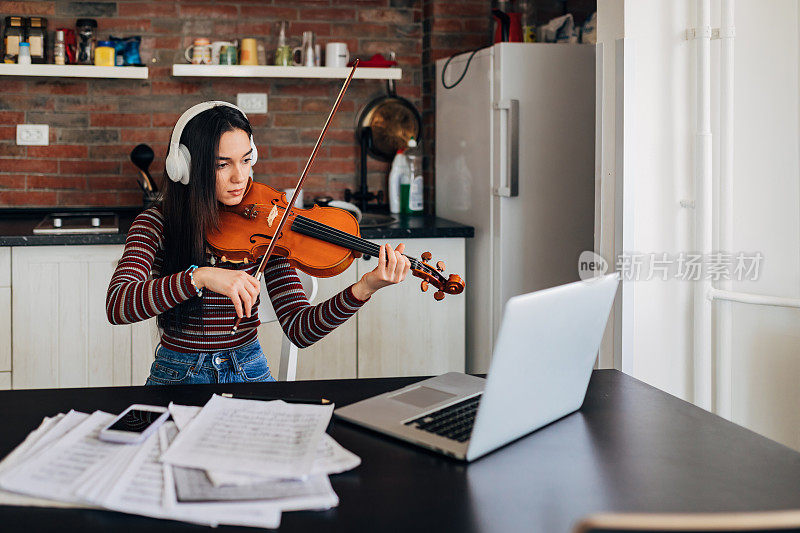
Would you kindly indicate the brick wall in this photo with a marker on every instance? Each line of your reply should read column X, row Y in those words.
column 94, row 124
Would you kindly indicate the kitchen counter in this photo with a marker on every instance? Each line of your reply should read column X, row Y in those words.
column 16, row 228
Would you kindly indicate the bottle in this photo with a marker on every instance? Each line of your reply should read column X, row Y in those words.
column 415, row 189
column 104, row 54
column 59, row 49
column 528, row 10
column 24, row 57
column 399, row 173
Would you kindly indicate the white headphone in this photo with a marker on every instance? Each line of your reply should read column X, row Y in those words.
column 179, row 160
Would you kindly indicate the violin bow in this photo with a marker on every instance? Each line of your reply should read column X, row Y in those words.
column 299, row 186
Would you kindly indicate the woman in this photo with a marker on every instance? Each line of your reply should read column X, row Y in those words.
column 165, row 270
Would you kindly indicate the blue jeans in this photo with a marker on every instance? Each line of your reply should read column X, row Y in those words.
column 242, row 365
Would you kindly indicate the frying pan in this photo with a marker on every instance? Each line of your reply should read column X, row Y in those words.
column 393, row 120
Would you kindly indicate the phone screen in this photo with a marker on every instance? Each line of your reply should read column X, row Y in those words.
column 135, row 421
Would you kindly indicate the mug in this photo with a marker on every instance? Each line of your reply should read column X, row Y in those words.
column 248, row 52
column 336, row 55
column 216, row 46
column 227, row 55
column 304, row 54
column 201, row 52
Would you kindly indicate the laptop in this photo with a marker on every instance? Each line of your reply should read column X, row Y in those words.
column 543, row 358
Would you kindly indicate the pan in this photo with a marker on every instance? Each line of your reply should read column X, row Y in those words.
column 392, row 120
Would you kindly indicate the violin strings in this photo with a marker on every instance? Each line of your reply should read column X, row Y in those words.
column 327, row 233
column 337, row 236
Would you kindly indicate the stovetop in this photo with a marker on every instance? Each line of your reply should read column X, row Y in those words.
column 78, row 223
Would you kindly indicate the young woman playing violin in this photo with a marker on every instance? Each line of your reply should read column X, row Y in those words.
column 165, row 270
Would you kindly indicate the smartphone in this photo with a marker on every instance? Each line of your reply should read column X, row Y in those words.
column 135, row 424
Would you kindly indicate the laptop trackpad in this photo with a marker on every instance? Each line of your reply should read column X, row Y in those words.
column 422, row 396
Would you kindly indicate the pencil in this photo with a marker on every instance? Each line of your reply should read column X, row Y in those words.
column 321, row 401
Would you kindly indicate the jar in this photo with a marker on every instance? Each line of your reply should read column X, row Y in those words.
column 24, row 57
column 86, row 41
column 104, row 54
column 36, row 35
column 13, row 34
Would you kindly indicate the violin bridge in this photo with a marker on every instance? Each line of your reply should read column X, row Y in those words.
column 273, row 214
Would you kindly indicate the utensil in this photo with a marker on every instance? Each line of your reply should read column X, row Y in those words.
column 142, row 156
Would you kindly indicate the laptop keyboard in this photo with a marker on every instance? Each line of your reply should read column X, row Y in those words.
column 453, row 422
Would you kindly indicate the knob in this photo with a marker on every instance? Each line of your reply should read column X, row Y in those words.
column 423, row 285
column 440, row 266
column 57, row 222
column 438, row 295
column 426, row 256
column 95, row 222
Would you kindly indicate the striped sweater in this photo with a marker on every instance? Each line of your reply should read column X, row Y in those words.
column 137, row 292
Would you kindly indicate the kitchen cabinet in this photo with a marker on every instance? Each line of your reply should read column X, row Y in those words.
column 61, row 336
column 5, row 312
column 403, row 331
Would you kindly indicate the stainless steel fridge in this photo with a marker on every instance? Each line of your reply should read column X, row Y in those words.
column 514, row 152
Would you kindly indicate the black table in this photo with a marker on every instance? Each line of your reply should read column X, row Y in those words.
column 631, row 447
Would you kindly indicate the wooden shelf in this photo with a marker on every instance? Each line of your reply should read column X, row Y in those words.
column 73, row 71
column 262, row 71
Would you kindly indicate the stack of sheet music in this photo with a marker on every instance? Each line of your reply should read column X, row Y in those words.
column 233, row 461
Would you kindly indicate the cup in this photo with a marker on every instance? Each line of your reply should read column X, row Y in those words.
column 216, row 46
column 201, row 52
column 304, row 54
column 248, row 52
column 336, row 55
column 283, row 56
column 227, row 55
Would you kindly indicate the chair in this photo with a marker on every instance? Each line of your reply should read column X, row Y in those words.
column 761, row 521
column 287, row 369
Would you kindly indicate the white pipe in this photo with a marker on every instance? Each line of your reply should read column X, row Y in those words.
column 757, row 299
column 724, row 395
column 703, row 386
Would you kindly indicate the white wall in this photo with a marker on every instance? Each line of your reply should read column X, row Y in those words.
column 658, row 163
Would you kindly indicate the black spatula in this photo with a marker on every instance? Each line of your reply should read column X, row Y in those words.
column 142, row 156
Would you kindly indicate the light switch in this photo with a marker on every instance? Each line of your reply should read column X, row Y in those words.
column 33, row 134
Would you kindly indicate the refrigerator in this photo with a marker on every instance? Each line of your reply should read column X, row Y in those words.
column 514, row 158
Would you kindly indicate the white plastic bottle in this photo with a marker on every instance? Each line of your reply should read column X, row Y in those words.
column 416, row 187
column 397, row 175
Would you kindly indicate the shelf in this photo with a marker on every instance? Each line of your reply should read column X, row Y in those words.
column 261, row 71
column 73, row 71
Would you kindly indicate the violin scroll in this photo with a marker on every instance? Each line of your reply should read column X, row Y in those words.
column 430, row 275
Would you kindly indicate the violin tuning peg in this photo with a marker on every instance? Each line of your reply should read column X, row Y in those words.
column 246, row 261
column 223, row 259
column 424, row 286
column 426, row 256
column 440, row 266
column 438, row 295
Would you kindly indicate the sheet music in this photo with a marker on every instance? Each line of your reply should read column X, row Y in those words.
column 57, row 471
column 266, row 438
column 329, row 458
column 254, row 514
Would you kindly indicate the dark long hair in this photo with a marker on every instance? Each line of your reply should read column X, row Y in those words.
column 191, row 211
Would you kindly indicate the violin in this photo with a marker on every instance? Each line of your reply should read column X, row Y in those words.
column 320, row 241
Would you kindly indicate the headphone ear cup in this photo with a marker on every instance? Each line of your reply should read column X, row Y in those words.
column 254, row 155
column 184, row 163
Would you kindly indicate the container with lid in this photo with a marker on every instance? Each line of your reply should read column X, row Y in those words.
column 59, row 49
column 104, row 54
column 87, row 41
column 13, row 34
column 36, row 36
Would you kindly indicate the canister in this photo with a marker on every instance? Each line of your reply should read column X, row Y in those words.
column 104, row 54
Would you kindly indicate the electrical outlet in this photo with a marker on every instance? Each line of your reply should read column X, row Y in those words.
column 33, row 134
column 252, row 102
